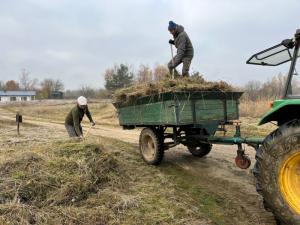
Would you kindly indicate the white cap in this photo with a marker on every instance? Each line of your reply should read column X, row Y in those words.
column 81, row 100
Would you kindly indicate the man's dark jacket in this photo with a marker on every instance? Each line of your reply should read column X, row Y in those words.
column 75, row 117
column 183, row 44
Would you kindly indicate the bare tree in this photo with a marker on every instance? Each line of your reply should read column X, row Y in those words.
column 2, row 85
column 87, row 91
column 58, row 85
column 25, row 82
column 160, row 72
column 270, row 89
column 50, row 85
column 252, row 89
column 144, row 74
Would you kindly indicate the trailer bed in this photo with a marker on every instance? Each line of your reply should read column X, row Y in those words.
column 180, row 108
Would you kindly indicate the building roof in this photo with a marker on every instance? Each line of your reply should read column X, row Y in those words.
column 17, row 93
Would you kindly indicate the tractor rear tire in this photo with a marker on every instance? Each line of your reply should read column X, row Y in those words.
column 151, row 146
column 200, row 151
column 277, row 172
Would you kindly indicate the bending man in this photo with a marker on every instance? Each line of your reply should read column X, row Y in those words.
column 185, row 50
column 75, row 116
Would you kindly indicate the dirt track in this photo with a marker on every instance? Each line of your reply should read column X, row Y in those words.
column 216, row 172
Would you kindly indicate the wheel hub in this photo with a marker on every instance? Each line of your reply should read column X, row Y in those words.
column 242, row 161
column 289, row 181
column 148, row 148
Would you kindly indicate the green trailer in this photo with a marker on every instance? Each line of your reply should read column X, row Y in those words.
column 193, row 118
column 182, row 108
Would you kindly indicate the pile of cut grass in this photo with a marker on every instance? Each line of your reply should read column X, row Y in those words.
column 51, row 184
column 70, row 182
column 195, row 83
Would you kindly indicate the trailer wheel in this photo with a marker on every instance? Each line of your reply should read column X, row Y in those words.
column 151, row 146
column 277, row 172
column 201, row 150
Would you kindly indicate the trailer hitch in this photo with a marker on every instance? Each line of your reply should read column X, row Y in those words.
column 241, row 160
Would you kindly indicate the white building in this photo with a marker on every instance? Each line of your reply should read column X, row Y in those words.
column 17, row 96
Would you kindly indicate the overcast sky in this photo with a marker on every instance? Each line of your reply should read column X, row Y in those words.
column 75, row 41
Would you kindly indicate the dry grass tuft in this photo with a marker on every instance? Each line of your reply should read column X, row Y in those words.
column 35, row 184
column 254, row 109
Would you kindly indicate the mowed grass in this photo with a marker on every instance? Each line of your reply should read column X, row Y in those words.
column 98, row 181
column 102, row 113
column 47, row 178
column 105, row 114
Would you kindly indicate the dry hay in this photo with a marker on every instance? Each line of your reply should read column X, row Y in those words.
column 54, row 187
column 197, row 83
column 69, row 176
column 72, row 183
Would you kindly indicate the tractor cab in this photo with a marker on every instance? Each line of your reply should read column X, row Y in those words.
column 286, row 51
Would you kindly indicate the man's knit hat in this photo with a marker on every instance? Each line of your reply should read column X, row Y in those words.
column 172, row 25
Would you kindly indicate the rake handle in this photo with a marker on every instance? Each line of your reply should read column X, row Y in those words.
column 172, row 60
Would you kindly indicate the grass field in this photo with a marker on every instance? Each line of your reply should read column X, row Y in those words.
column 46, row 178
column 53, row 180
column 103, row 113
column 254, row 109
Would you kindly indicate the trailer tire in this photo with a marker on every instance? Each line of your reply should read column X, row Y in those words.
column 200, row 151
column 277, row 172
column 151, row 146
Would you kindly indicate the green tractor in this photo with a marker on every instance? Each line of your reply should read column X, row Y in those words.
column 277, row 168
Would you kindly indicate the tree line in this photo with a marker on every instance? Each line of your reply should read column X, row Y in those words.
column 43, row 88
column 116, row 77
column 268, row 90
column 122, row 75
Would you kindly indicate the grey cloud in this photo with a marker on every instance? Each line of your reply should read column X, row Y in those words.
column 77, row 40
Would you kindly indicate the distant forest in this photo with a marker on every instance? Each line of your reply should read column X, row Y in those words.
column 122, row 75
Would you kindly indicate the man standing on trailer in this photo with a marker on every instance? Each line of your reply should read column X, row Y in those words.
column 185, row 50
column 75, row 116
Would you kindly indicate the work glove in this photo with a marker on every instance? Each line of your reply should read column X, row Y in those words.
column 172, row 42
column 93, row 123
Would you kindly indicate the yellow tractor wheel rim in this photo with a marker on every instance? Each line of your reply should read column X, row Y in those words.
column 289, row 181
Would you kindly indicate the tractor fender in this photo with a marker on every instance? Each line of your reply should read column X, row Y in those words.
column 282, row 111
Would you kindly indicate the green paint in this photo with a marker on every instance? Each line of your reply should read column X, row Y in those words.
column 234, row 140
column 200, row 109
column 278, row 105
